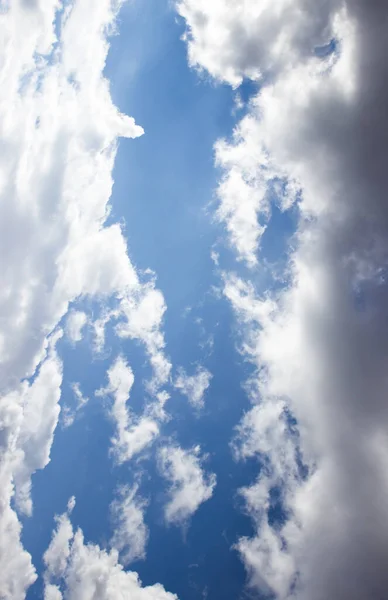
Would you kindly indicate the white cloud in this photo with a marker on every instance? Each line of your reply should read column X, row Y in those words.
column 80, row 398
column 190, row 486
column 135, row 439
column 143, row 320
column 133, row 434
column 69, row 412
column 143, row 311
column 130, row 532
column 236, row 40
column 215, row 256
column 75, row 323
column 40, row 417
column 17, row 572
column 28, row 417
column 57, row 554
column 240, row 40
column 242, row 193
column 59, row 131
column 194, row 386
column 52, row 592
column 46, row 271
column 85, row 571
column 319, row 346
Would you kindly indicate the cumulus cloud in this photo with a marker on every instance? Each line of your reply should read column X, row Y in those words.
column 194, row 386
column 133, row 433
column 85, row 571
column 39, row 403
column 319, row 427
column 242, row 193
column 144, row 316
column 28, row 418
column 17, row 572
column 59, row 147
column 59, row 132
column 190, row 486
column 75, row 323
column 130, row 531
column 57, row 554
column 237, row 40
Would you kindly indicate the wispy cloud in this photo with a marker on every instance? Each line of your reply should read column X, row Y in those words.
column 190, row 485
column 133, row 434
column 130, row 534
column 194, row 386
column 69, row 412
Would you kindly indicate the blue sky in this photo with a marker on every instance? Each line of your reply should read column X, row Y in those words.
column 192, row 212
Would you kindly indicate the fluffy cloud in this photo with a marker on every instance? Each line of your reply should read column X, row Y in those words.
column 85, row 571
column 59, row 131
column 319, row 345
column 17, row 572
column 28, row 418
column 194, row 386
column 190, row 486
column 237, row 40
column 39, row 401
column 130, row 532
column 144, row 316
column 75, row 323
column 57, row 554
column 244, row 39
column 133, row 434
column 59, row 147
column 242, row 192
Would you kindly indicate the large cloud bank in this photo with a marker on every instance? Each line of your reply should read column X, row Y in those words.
column 59, row 131
column 316, row 134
